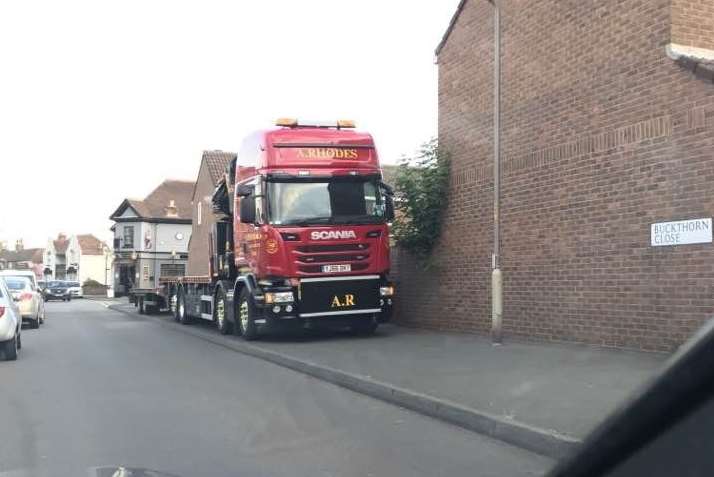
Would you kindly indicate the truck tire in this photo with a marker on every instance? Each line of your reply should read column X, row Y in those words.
column 9, row 349
column 140, row 304
column 245, row 314
column 219, row 313
column 184, row 317
column 34, row 324
column 174, row 300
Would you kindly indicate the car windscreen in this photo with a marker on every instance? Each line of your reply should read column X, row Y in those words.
column 57, row 285
column 73, row 284
column 17, row 283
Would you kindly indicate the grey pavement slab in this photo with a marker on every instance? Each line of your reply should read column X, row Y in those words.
column 94, row 388
column 565, row 388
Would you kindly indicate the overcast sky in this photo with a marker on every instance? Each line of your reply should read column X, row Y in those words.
column 103, row 100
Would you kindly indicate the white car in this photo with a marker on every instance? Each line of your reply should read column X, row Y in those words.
column 10, row 324
column 23, row 287
column 75, row 289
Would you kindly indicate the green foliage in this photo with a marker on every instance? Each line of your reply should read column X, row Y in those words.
column 89, row 283
column 421, row 192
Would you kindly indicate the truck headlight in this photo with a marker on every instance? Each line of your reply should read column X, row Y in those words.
column 386, row 291
column 279, row 297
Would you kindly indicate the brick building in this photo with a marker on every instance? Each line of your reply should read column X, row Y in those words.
column 608, row 127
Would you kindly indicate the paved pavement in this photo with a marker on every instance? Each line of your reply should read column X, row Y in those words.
column 94, row 387
column 566, row 388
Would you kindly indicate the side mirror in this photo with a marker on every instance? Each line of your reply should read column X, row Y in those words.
column 389, row 212
column 244, row 190
column 387, row 188
column 247, row 209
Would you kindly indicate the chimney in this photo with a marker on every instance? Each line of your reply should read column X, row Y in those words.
column 19, row 247
column 172, row 210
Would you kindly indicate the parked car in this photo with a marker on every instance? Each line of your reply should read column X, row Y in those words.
column 75, row 289
column 57, row 290
column 23, row 286
column 10, row 324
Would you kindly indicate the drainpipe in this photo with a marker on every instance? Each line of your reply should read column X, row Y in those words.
column 496, row 275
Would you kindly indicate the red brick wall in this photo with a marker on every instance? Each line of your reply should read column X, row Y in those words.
column 693, row 23
column 602, row 136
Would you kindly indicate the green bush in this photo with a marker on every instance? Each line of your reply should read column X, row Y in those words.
column 89, row 283
column 421, row 192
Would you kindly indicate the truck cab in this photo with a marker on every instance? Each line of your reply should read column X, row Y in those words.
column 305, row 231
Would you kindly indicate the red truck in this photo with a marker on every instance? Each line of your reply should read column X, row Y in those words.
column 301, row 236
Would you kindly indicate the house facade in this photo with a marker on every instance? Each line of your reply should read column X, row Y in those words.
column 607, row 137
column 78, row 258
column 151, row 237
column 55, row 259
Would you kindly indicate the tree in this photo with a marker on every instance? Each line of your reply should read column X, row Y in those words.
column 421, row 192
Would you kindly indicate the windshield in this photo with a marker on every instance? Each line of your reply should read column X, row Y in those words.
column 333, row 202
column 73, row 284
column 57, row 284
column 17, row 283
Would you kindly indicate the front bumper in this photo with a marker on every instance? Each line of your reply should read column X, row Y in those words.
column 56, row 296
column 304, row 314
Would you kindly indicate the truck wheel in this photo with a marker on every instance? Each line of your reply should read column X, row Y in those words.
column 364, row 327
column 175, row 297
column 9, row 349
column 219, row 313
column 34, row 324
column 184, row 317
column 246, row 317
column 142, row 309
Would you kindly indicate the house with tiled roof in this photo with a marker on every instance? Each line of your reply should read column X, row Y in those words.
column 55, row 258
column 89, row 259
column 151, row 236
column 22, row 259
column 214, row 165
column 79, row 258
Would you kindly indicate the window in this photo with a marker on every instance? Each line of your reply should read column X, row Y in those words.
column 172, row 270
column 337, row 201
column 129, row 236
column 198, row 212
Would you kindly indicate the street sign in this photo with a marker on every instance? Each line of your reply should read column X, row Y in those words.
column 681, row 232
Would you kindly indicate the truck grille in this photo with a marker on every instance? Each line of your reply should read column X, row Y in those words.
column 309, row 259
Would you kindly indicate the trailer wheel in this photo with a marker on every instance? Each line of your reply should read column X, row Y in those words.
column 246, row 317
column 140, row 304
column 219, row 313
column 184, row 317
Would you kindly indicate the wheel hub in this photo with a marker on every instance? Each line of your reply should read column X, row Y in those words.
column 244, row 315
column 220, row 312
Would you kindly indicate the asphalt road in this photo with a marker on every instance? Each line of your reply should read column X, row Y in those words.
column 94, row 387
